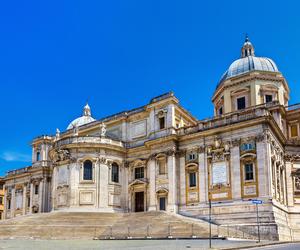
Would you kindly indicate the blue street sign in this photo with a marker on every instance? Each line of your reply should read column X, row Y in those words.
column 257, row 201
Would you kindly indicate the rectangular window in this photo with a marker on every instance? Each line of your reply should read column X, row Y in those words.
column 192, row 177
column 269, row 98
column 8, row 204
column 221, row 111
column 294, row 130
column 241, row 103
column 162, row 122
column 1, row 186
column 249, row 174
column 1, row 200
column 139, row 173
column 192, row 157
column 162, row 166
column 115, row 172
column 247, row 146
column 28, row 202
column 36, row 189
column 88, row 170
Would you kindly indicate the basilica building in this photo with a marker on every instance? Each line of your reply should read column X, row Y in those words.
column 160, row 157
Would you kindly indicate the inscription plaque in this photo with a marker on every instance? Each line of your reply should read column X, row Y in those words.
column 219, row 173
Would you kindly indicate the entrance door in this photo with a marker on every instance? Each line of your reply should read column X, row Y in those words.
column 162, row 203
column 139, row 202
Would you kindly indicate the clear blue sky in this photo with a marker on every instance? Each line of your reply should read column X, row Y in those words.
column 54, row 55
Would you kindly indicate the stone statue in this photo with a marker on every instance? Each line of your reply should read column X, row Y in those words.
column 61, row 155
column 102, row 129
column 57, row 136
column 75, row 131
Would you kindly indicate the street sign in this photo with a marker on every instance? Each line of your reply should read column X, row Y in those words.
column 257, row 201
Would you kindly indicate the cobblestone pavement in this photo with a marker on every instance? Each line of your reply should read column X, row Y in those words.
column 123, row 244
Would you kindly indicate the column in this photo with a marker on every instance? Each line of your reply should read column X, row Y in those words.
column 182, row 180
column 24, row 198
column 261, row 168
column 284, row 186
column 40, row 196
column 97, row 181
column 103, row 185
column 235, row 172
column 5, row 202
column 125, row 188
column 202, row 178
column 271, row 171
column 172, row 197
column 31, row 198
column 13, row 202
column 289, row 184
column 152, row 193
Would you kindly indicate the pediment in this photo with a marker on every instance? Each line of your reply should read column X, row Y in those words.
column 138, row 182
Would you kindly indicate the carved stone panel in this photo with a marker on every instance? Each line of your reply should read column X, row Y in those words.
column 87, row 197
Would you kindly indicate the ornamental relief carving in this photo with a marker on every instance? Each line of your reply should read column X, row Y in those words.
column 102, row 160
column 60, row 155
column 297, row 183
column 219, row 151
column 260, row 137
column 169, row 152
column 137, row 163
column 292, row 157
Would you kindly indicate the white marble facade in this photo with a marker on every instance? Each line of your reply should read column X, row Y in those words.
column 160, row 157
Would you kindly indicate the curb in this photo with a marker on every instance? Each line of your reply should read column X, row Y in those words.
column 261, row 245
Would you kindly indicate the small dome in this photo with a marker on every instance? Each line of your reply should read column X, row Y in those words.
column 82, row 120
column 249, row 62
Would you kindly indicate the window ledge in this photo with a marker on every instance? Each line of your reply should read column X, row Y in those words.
column 87, row 182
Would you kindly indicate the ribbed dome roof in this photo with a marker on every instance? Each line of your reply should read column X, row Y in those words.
column 84, row 119
column 249, row 62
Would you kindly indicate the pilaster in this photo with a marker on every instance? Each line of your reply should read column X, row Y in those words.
column 103, row 186
column 152, row 193
column 24, row 198
column 182, row 180
column 172, row 198
column 31, row 198
column 13, row 202
column 261, row 168
column 235, row 172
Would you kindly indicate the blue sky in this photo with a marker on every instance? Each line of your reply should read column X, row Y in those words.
column 54, row 55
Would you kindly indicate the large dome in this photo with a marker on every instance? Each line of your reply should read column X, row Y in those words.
column 249, row 62
column 82, row 120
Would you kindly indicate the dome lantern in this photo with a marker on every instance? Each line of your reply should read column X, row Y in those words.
column 247, row 49
column 87, row 110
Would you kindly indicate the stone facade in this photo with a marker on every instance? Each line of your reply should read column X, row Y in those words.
column 159, row 157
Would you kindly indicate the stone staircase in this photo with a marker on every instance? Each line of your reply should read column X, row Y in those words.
column 79, row 225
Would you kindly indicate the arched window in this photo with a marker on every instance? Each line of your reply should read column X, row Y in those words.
column 88, row 170
column 115, row 172
column 38, row 156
